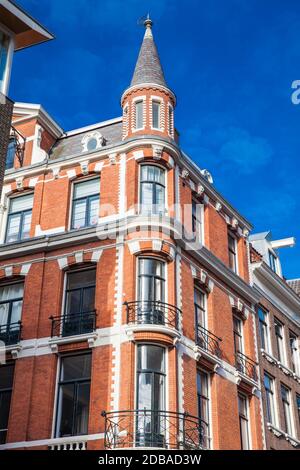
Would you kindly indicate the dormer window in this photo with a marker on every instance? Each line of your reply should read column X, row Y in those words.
column 139, row 114
column 92, row 141
column 273, row 261
column 156, row 114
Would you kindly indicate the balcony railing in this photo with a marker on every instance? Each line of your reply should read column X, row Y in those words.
column 73, row 324
column 154, row 429
column 10, row 334
column 208, row 341
column 152, row 313
column 246, row 366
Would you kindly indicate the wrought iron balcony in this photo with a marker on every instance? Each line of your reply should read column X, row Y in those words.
column 208, row 341
column 73, row 324
column 154, row 429
column 152, row 313
column 10, row 334
column 246, row 366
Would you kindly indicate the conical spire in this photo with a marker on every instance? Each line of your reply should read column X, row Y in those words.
column 148, row 68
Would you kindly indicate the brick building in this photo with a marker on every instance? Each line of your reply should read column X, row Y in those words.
column 278, row 330
column 17, row 31
column 125, row 292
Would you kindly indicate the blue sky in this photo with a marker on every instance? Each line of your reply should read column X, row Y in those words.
column 231, row 64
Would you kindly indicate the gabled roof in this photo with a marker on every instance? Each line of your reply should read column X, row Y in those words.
column 148, row 68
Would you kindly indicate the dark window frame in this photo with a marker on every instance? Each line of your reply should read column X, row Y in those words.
column 270, row 404
column 264, row 329
column 206, row 399
column 11, row 301
column 11, row 153
column 81, row 289
column 280, row 339
column 153, row 277
column 7, row 390
column 84, row 380
column 233, row 252
column 285, row 394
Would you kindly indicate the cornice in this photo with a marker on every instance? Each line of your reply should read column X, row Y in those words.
column 264, row 273
column 154, row 86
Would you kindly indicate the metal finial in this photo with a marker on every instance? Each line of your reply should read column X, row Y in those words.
column 148, row 22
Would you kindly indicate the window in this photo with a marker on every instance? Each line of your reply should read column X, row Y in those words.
column 197, row 211
column 19, row 218
column 11, row 152
column 200, row 308
column 139, row 115
column 73, row 396
column 232, row 250
column 4, row 53
column 286, row 397
column 11, row 301
column 152, row 189
column 92, row 144
column 298, row 406
column 294, row 352
column 85, row 210
column 279, row 340
column 263, row 329
column 270, row 400
column 156, row 114
column 170, row 117
column 203, row 407
column 80, row 302
column 151, row 395
column 273, row 261
column 238, row 334
column 6, row 385
column 151, row 291
column 244, row 421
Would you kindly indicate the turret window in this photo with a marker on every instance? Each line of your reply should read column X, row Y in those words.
column 139, row 114
column 156, row 109
column 152, row 189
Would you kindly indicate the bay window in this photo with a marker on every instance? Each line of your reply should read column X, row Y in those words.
column 85, row 210
column 151, row 396
column 11, row 301
column 19, row 218
column 6, row 385
column 152, row 190
column 203, row 407
column 151, row 290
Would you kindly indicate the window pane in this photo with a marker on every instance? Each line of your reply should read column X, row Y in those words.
column 6, row 376
column 94, row 211
column 11, row 152
column 26, row 225
column 79, row 214
column 73, row 302
column 88, row 301
column 76, row 367
column 19, row 204
column 86, row 188
column 139, row 115
column 66, row 406
column 5, row 399
column 151, row 358
column 155, row 114
column 13, row 228
column 144, row 391
column 82, row 409
column 82, row 278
